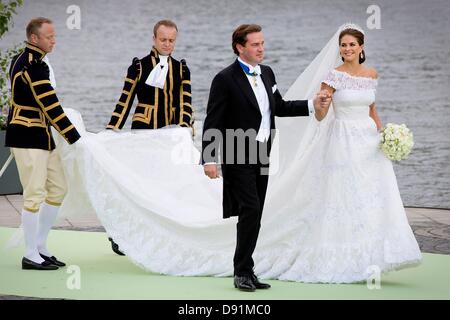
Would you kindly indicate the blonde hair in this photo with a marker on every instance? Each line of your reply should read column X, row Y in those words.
column 167, row 23
column 35, row 24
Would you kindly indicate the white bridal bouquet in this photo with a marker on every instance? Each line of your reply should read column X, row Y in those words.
column 396, row 141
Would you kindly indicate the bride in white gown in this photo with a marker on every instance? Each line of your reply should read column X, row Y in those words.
column 333, row 208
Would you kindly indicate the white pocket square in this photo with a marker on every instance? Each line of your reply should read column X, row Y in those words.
column 274, row 88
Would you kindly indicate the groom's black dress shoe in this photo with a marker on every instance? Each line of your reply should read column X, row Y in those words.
column 53, row 260
column 28, row 264
column 244, row 283
column 115, row 247
column 259, row 285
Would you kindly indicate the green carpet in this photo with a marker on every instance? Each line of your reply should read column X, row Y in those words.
column 105, row 275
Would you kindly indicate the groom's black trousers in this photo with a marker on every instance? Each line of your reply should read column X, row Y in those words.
column 248, row 187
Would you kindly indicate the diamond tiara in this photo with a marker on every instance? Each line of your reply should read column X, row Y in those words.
column 350, row 25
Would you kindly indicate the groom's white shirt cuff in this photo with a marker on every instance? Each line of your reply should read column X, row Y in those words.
column 311, row 107
column 206, row 163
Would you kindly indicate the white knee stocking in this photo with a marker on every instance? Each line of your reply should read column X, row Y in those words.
column 30, row 230
column 47, row 217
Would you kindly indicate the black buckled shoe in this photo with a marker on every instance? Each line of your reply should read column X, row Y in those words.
column 259, row 285
column 28, row 264
column 244, row 283
column 53, row 260
column 115, row 247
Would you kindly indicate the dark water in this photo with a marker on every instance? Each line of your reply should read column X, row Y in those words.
column 411, row 52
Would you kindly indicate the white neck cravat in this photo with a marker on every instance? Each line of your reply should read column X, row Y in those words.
column 157, row 77
column 52, row 74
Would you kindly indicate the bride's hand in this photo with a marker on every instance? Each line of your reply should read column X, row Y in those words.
column 322, row 101
column 325, row 99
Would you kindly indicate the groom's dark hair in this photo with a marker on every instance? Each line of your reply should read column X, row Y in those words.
column 240, row 35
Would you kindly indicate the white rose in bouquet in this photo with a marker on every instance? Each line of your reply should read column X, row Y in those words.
column 396, row 141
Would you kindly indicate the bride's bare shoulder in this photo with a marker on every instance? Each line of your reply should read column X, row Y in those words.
column 372, row 73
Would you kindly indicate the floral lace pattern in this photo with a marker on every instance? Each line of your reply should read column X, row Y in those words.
column 343, row 218
column 340, row 80
column 347, row 220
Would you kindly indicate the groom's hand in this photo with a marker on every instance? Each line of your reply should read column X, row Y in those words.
column 211, row 170
column 317, row 102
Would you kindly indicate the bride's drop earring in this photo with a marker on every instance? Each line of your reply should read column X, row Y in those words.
column 361, row 55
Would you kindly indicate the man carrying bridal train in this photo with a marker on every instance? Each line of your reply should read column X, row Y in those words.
column 163, row 87
column 161, row 83
column 244, row 99
column 35, row 109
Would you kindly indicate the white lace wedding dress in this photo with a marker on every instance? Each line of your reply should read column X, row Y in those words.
column 345, row 219
column 333, row 211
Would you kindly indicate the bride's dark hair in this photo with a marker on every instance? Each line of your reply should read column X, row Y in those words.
column 359, row 37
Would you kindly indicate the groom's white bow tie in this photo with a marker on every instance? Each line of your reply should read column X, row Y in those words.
column 157, row 78
column 249, row 69
column 255, row 70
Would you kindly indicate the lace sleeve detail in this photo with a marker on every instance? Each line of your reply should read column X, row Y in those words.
column 332, row 79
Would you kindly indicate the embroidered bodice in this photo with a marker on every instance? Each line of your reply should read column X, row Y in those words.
column 353, row 95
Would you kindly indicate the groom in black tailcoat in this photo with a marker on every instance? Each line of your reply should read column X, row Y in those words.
column 239, row 126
